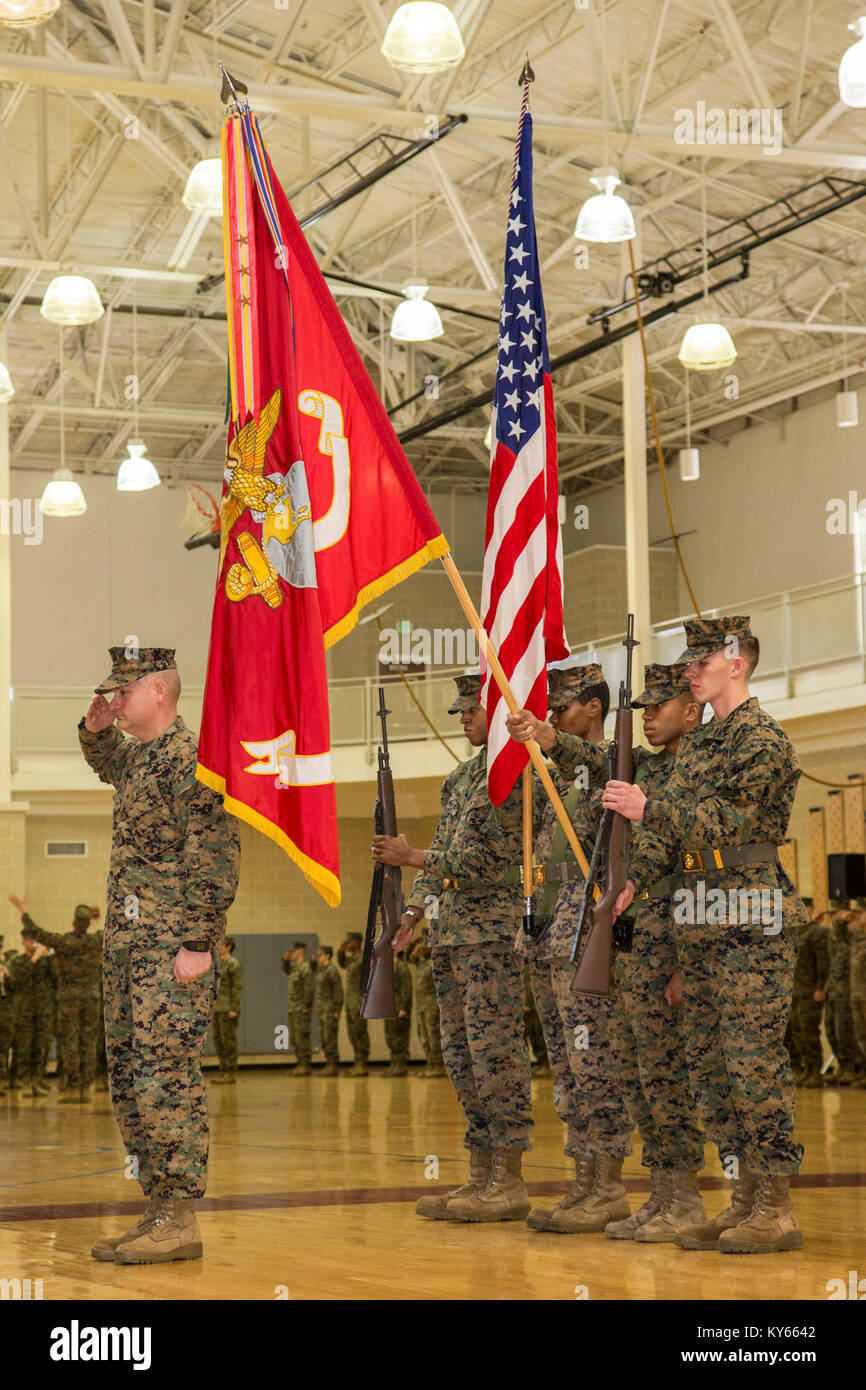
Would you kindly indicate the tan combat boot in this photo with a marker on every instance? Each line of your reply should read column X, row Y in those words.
column 706, row 1236
column 625, row 1230
column 172, row 1235
column 682, row 1207
column 105, row 1247
column 68, row 1095
column 303, row 1069
column 505, row 1197
column 86, row 1092
column 546, row 1218
column 330, row 1069
column 480, row 1166
column 359, row 1069
column 606, row 1201
column 812, row 1080
column 771, row 1224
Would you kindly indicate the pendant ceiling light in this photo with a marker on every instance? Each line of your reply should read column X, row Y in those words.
column 71, row 300
column 62, row 495
column 605, row 217
column 204, row 188
column 423, row 38
column 136, row 473
column 852, row 69
column 707, row 346
column 416, row 320
column 7, row 390
column 23, row 14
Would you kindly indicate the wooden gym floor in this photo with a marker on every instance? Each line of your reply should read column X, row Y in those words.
column 312, row 1189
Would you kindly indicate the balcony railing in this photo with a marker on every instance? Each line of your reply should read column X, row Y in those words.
column 811, row 638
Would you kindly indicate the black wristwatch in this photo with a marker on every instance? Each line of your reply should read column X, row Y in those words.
column 195, row 946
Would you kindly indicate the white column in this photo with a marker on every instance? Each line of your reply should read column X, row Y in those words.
column 634, row 416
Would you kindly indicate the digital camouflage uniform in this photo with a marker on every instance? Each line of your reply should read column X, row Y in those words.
column 811, row 973
column 857, row 935
column 35, row 991
column 329, row 1004
column 733, row 784
column 172, row 877
column 7, row 1019
column 299, row 1005
column 397, row 1030
column 839, row 1020
column 356, row 1026
column 478, row 975
column 79, row 959
column 228, row 1000
column 532, row 1029
column 427, row 1014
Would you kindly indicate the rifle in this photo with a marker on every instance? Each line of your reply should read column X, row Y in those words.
column 593, row 940
column 386, row 897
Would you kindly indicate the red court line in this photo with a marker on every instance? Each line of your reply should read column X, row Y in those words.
column 355, row 1196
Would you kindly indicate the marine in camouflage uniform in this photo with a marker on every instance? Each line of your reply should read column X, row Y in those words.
column 397, row 1030
column 724, row 811
column 587, row 1093
column 226, row 1013
column 350, row 958
column 299, row 1005
column 811, row 974
column 857, row 937
column 427, row 1008
column 79, row 959
column 33, row 979
column 7, row 1020
column 839, row 1021
column 172, row 877
column 470, row 872
column 329, row 1006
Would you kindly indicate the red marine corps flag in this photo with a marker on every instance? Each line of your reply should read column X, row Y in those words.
column 521, row 602
column 320, row 513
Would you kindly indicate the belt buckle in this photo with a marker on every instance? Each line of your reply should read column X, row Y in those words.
column 643, row 896
column 692, row 861
column 449, row 883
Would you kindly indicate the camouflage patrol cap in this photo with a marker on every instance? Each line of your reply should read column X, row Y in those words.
column 661, row 683
column 83, row 913
column 567, row 683
column 299, row 946
column 144, row 662
column 707, row 635
column 354, row 936
column 468, row 693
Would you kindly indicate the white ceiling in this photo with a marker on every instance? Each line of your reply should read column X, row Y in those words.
column 608, row 81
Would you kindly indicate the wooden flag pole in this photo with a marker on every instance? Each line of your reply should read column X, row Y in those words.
column 508, row 696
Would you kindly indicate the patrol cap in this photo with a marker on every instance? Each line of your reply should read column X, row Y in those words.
column 144, row 662
column 299, row 946
column 83, row 913
column 707, row 635
column 567, row 683
column 468, row 693
column 661, row 683
column 354, row 936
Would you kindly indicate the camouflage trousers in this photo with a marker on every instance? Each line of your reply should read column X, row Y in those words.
column 587, row 1091
column 299, row 1035
column 77, row 1028
column 803, row 1039
column 858, row 993
column 397, row 1033
column 359, row 1032
column 534, row 1031
column 7, row 1033
column 839, row 1023
column 427, row 1025
column 649, row 1046
column 329, row 1031
column 155, row 1031
column 101, row 1055
column 32, row 1037
column 225, row 1036
column 737, row 984
column 480, row 994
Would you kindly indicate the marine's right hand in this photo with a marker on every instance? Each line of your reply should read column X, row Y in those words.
column 99, row 715
column 20, row 904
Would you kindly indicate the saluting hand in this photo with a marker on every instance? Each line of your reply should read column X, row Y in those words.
column 625, row 798
column 20, row 904
column 99, row 714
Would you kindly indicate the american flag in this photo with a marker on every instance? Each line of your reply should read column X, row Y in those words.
column 521, row 598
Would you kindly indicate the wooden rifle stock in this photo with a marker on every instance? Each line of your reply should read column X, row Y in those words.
column 594, row 962
column 386, row 898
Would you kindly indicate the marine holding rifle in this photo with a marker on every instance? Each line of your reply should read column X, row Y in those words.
column 469, row 886
column 720, row 818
